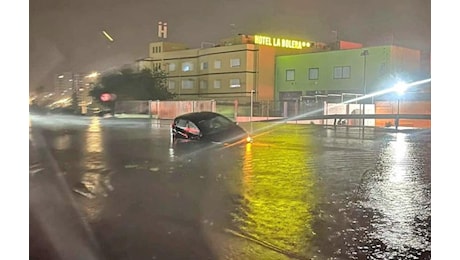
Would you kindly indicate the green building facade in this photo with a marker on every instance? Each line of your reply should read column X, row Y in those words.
column 351, row 71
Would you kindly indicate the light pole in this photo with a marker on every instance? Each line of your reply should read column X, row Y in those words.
column 397, row 117
column 252, row 104
column 364, row 53
column 400, row 88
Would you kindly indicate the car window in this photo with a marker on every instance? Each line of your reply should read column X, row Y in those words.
column 221, row 121
column 192, row 128
column 181, row 123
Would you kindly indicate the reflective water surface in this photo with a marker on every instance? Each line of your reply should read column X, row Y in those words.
column 296, row 192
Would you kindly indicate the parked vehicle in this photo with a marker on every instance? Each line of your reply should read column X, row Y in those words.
column 208, row 127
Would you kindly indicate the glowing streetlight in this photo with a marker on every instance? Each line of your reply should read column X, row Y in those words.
column 400, row 88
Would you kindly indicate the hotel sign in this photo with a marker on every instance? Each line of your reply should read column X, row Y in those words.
column 281, row 42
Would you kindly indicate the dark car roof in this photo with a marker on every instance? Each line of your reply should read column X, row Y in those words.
column 197, row 116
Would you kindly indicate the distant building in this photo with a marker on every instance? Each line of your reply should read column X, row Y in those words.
column 229, row 70
column 75, row 85
column 63, row 84
column 279, row 69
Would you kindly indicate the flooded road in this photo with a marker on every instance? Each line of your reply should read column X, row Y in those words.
column 296, row 192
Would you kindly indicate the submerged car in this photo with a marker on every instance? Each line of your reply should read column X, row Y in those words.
column 208, row 126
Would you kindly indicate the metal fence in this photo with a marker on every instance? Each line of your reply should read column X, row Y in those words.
column 231, row 109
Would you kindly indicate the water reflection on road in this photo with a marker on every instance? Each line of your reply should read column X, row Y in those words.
column 95, row 178
column 397, row 191
column 278, row 193
column 321, row 194
column 297, row 192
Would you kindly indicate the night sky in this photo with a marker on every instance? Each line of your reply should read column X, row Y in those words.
column 66, row 35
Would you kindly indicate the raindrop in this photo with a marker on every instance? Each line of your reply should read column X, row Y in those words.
column 35, row 171
column 88, row 195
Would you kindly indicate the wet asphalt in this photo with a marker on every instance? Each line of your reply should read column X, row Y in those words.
column 120, row 189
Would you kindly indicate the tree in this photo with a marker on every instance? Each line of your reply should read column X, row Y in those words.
column 129, row 85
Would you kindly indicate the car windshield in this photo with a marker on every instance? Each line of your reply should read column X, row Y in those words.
column 219, row 129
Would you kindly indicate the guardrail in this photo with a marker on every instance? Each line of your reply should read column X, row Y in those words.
column 339, row 117
column 365, row 116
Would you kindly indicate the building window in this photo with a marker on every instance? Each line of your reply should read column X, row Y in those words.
column 342, row 72
column 172, row 66
column 171, row 84
column 204, row 65
column 235, row 83
column 203, row 84
column 313, row 73
column 290, row 75
column 217, row 64
column 187, row 66
column 217, row 83
column 156, row 49
column 187, row 84
column 234, row 63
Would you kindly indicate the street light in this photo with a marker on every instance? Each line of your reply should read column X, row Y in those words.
column 252, row 103
column 399, row 88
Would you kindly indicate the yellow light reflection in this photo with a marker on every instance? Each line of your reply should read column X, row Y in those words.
column 93, row 136
column 95, row 182
column 247, row 164
column 278, row 190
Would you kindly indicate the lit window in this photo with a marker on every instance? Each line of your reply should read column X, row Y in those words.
column 313, row 73
column 217, row 83
column 234, row 63
column 290, row 75
column 217, row 64
column 235, row 83
column 187, row 66
column 187, row 83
